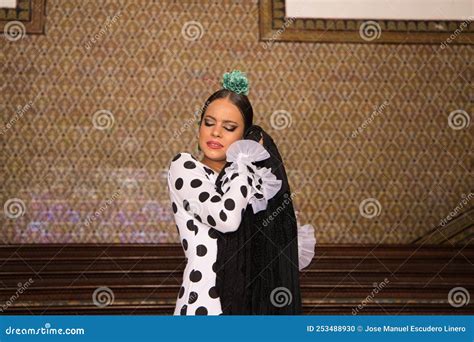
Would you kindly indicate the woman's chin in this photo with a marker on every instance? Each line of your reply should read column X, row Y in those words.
column 214, row 153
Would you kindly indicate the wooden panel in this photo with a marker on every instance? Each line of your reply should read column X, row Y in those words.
column 145, row 279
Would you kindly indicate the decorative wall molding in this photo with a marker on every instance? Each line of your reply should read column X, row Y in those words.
column 275, row 26
column 30, row 13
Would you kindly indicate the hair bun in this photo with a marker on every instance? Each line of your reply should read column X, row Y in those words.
column 236, row 81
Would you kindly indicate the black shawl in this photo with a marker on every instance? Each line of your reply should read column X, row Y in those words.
column 257, row 265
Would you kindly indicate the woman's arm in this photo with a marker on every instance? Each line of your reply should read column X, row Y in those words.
column 188, row 183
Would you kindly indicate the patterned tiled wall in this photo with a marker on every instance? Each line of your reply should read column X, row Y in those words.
column 377, row 138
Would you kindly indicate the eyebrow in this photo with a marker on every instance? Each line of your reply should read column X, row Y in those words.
column 210, row 116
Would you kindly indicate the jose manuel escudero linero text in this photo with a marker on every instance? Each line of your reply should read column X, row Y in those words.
column 414, row 328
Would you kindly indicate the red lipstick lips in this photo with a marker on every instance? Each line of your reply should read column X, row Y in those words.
column 214, row 145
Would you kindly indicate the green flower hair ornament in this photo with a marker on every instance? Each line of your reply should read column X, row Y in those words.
column 236, row 81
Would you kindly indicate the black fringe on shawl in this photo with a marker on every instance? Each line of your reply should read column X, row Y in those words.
column 257, row 266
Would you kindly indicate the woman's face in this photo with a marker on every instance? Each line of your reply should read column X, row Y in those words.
column 222, row 123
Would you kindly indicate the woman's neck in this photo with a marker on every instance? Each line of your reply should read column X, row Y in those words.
column 213, row 164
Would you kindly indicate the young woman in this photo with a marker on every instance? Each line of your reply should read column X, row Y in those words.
column 201, row 210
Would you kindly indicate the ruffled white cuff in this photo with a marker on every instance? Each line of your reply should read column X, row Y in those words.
column 306, row 244
column 264, row 184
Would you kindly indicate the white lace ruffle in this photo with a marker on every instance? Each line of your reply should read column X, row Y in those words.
column 306, row 244
column 264, row 185
column 245, row 152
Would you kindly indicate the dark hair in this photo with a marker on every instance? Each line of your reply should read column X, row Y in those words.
column 240, row 101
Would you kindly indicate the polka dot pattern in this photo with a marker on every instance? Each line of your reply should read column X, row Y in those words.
column 184, row 310
column 196, row 183
column 201, row 250
column 195, row 276
column 202, row 211
column 201, row 311
column 213, row 292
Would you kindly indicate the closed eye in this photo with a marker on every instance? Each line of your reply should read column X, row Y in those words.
column 230, row 129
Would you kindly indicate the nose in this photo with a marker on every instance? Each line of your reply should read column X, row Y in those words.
column 216, row 132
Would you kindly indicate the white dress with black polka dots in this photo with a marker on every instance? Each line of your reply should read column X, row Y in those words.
column 198, row 207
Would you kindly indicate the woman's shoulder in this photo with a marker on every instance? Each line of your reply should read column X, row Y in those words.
column 184, row 161
column 181, row 156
